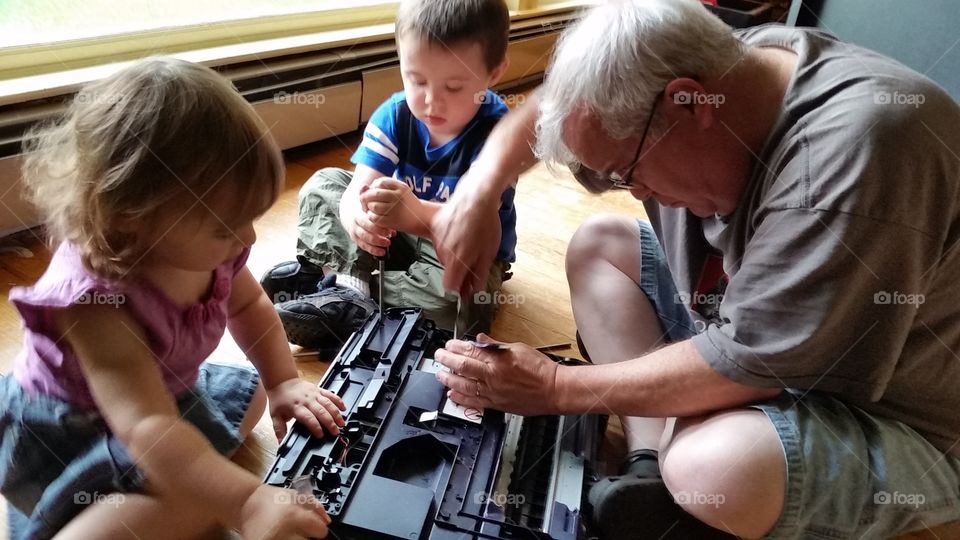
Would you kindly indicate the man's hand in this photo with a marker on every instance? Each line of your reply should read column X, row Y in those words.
column 518, row 379
column 315, row 407
column 391, row 204
column 466, row 233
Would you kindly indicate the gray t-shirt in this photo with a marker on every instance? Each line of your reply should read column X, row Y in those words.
column 842, row 256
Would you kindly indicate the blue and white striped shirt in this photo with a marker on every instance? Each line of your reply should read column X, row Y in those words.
column 398, row 145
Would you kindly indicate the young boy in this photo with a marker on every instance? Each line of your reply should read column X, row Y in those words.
column 415, row 148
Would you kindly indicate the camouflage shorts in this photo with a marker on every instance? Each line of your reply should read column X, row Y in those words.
column 414, row 275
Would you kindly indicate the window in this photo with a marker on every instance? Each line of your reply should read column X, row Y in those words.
column 47, row 36
column 46, row 44
column 31, row 22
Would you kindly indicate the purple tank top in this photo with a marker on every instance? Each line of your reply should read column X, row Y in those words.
column 180, row 338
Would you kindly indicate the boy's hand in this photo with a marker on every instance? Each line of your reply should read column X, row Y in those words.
column 272, row 513
column 392, row 204
column 315, row 407
column 355, row 219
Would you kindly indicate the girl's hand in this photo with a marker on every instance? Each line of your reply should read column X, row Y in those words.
column 272, row 513
column 315, row 407
column 392, row 204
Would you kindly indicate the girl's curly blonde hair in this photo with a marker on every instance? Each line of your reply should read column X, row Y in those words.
column 161, row 135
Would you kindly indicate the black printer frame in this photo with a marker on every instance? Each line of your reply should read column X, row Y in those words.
column 395, row 473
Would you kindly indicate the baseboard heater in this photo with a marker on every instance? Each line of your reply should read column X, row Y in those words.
column 304, row 97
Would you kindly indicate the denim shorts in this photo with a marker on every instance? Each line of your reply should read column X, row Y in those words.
column 850, row 474
column 55, row 459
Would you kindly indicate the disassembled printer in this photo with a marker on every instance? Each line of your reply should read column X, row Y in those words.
column 409, row 463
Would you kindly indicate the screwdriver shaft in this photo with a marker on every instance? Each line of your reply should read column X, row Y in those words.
column 455, row 321
column 380, row 279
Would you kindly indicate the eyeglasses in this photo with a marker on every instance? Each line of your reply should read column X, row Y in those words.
column 597, row 182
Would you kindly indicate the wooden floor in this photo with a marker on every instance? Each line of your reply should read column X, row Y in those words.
column 545, row 226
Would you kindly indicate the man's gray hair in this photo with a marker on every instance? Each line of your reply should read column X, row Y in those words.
column 619, row 57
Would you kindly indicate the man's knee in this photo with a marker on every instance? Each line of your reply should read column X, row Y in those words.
column 728, row 470
column 602, row 237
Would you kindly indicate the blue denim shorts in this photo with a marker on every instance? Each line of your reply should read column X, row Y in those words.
column 850, row 474
column 55, row 460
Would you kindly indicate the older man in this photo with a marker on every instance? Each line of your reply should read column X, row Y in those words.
column 795, row 303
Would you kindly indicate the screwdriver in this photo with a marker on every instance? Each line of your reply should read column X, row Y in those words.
column 380, row 278
column 382, row 260
column 457, row 318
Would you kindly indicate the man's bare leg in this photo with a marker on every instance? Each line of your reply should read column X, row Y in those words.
column 615, row 318
column 728, row 470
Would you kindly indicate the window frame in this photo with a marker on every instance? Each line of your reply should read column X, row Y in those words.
column 44, row 70
column 38, row 59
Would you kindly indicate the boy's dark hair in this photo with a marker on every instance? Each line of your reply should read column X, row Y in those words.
column 452, row 22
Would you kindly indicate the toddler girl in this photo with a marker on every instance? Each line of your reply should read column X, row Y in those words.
column 111, row 424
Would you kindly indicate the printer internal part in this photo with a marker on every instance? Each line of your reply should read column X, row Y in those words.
column 409, row 465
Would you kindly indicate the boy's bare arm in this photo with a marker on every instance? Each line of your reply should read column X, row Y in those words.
column 424, row 213
column 369, row 236
column 363, row 176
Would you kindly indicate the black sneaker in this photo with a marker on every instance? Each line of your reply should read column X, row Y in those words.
column 582, row 348
column 290, row 280
column 638, row 505
column 325, row 319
